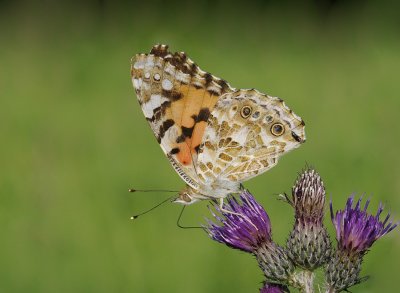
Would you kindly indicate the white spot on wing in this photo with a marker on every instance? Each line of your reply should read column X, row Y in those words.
column 139, row 64
column 154, row 102
column 182, row 77
column 214, row 88
column 169, row 68
column 150, row 61
column 137, row 83
column 167, row 84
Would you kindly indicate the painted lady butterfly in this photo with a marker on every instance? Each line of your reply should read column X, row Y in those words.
column 215, row 136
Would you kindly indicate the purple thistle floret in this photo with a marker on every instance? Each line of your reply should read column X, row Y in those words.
column 356, row 230
column 246, row 228
column 273, row 288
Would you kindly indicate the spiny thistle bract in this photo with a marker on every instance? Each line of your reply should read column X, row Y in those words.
column 356, row 231
column 244, row 224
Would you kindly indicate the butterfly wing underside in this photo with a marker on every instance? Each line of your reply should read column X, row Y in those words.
column 176, row 97
column 240, row 143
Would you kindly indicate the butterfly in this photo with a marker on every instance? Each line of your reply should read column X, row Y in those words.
column 215, row 136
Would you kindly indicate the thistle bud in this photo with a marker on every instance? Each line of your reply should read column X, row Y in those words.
column 309, row 245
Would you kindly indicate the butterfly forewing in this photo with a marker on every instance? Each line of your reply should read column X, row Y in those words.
column 176, row 97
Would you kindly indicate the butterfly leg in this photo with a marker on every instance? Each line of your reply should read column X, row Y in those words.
column 223, row 210
column 221, row 207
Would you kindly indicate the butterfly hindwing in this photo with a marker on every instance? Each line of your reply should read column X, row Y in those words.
column 240, row 143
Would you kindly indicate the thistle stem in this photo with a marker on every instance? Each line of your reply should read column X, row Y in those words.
column 304, row 281
column 308, row 282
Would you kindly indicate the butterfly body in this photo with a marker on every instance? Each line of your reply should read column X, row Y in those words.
column 215, row 136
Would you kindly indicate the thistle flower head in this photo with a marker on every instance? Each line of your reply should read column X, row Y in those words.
column 356, row 230
column 244, row 225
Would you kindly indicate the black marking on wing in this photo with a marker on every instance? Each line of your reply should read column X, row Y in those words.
column 287, row 122
column 167, row 124
column 212, row 92
column 186, row 132
column 296, row 137
column 197, row 86
column 174, row 151
column 208, row 77
column 160, row 50
column 179, row 60
column 223, row 84
column 180, row 138
column 203, row 115
column 175, row 96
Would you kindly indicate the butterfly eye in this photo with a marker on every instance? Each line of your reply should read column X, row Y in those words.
column 245, row 112
column 185, row 197
column 277, row 129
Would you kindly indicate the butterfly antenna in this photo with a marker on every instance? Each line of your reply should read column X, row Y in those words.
column 185, row 227
column 170, row 199
column 151, row 190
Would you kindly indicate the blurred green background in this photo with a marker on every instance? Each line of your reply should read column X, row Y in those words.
column 73, row 137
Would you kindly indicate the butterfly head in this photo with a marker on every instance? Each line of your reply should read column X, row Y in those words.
column 188, row 196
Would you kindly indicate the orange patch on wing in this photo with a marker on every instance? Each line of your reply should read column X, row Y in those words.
column 190, row 103
column 209, row 101
column 183, row 111
column 184, row 156
column 193, row 101
column 197, row 135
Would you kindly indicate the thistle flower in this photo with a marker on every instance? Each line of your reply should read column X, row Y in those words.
column 309, row 245
column 356, row 231
column 273, row 288
column 246, row 226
